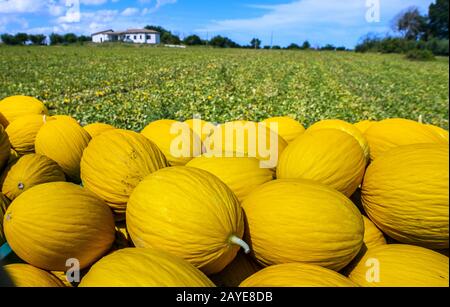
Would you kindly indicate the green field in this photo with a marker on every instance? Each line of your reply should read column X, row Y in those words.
column 130, row 86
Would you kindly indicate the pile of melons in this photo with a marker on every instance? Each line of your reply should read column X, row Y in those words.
column 346, row 205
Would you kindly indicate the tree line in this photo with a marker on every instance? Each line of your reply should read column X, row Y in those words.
column 41, row 39
column 417, row 35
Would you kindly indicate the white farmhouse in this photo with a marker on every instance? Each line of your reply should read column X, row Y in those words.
column 136, row 36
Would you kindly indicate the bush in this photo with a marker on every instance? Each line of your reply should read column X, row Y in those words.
column 420, row 55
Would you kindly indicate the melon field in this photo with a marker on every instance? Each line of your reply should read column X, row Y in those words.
column 130, row 86
column 307, row 169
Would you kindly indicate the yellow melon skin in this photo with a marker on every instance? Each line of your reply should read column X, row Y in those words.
column 441, row 132
column 115, row 162
column 3, row 121
column 288, row 128
column 242, row 267
column 64, row 142
column 64, row 117
column 246, row 139
column 328, row 156
column 14, row 107
column 5, row 148
column 97, row 128
column 372, row 235
column 398, row 265
column 22, row 132
column 405, row 193
column 31, row 170
column 25, row 275
column 302, row 221
column 189, row 213
column 4, row 203
column 362, row 126
column 144, row 267
column 345, row 127
column 200, row 127
column 53, row 222
column 242, row 175
column 390, row 133
column 159, row 132
column 297, row 275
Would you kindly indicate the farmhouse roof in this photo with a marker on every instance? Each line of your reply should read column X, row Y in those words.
column 129, row 31
column 110, row 31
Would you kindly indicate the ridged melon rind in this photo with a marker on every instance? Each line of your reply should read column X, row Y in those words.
column 53, row 222
column 297, row 275
column 189, row 213
column 401, row 266
column 115, row 162
column 405, row 193
column 143, row 267
column 302, row 221
column 25, row 275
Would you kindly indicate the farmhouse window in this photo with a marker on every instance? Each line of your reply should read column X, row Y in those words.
column 135, row 37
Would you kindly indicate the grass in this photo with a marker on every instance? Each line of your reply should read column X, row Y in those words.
column 130, row 86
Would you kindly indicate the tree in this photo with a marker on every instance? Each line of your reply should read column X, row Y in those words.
column 83, row 38
column 328, row 47
column 166, row 36
column 70, row 38
column 21, row 38
column 341, row 48
column 255, row 43
column 37, row 39
column 56, row 39
column 193, row 40
column 306, row 45
column 293, row 46
column 411, row 24
column 276, row 47
column 9, row 39
column 266, row 47
column 223, row 42
column 438, row 19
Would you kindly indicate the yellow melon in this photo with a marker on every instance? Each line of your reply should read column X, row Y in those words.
column 14, row 107
column 328, row 156
column 5, row 148
column 123, row 239
column 390, row 133
column 200, row 127
column 237, row 271
column 189, row 213
column 4, row 203
column 288, row 128
column 62, row 277
column 3, row 121
column 115, row 162
column 372, row 235
column 246, row 139
column 25, row 275
column 64, row 142
column 53, row 222
column 176, row 140
column 22, row 132
column 65, row 117
column 302, row 221
column 362, row 126
column 440, row 131
column 345, row 127
column 30, row 170
column 143, row 267
column 297, row 275
column 97, row 128
column 397, row 265
column 405, row 193
column 242, row 175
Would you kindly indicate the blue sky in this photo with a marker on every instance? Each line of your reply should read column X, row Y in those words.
column 340, row 22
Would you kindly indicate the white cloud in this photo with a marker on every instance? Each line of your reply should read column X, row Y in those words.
column 93, row 2
column 21, row 6
column 130, row 11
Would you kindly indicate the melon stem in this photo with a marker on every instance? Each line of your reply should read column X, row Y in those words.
column 238, row 241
